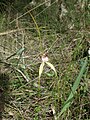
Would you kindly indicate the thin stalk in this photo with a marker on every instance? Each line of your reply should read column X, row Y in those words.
column 38, row 31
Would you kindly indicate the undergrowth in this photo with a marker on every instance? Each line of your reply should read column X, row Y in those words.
column 44, row 51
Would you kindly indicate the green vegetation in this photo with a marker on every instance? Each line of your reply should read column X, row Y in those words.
column 44, row 61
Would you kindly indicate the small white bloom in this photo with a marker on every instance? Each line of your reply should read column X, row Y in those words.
column 44, row 59
column 89, row 52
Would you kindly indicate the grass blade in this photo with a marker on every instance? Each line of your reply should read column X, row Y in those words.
column 75, row 86
column 18, row 52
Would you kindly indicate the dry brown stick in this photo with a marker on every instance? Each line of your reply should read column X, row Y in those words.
column 10, row 31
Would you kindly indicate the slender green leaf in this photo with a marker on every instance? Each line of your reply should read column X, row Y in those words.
column 75, row 86
column 20, row 51
column 50, row 74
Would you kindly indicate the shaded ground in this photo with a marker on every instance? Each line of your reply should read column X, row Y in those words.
column 4, row 87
